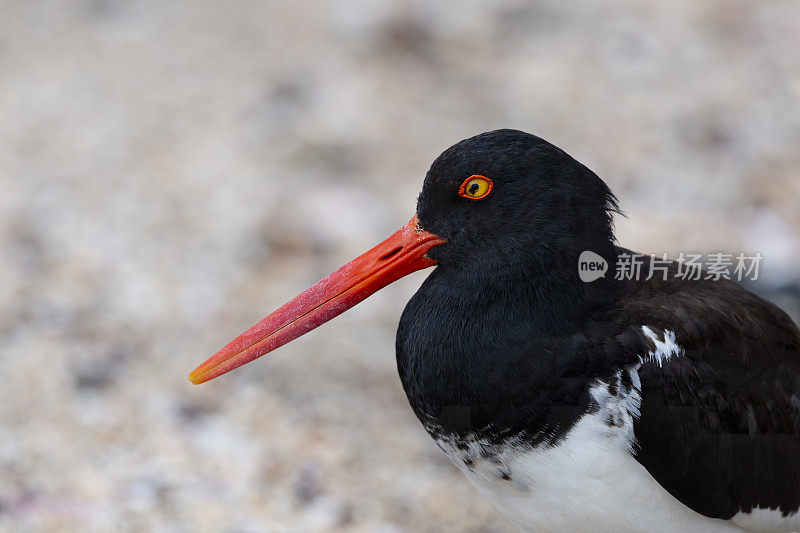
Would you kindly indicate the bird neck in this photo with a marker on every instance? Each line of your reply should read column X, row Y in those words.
column 541, row 292
column 486, row 340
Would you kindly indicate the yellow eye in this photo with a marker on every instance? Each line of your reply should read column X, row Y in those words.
column 476, row 187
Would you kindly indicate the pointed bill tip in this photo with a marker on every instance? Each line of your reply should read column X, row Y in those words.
column 196, row 377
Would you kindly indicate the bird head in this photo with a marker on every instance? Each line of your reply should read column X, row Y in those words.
column 503, row 200
column 506, row 199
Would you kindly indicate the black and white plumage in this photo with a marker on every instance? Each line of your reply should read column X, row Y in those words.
column 613, row 405
column 616, row 405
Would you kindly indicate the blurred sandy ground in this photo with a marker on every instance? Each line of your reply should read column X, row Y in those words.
column 172, row 171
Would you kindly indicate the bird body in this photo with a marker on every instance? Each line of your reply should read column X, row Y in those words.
column 658, row 404
column 597, row 463
column 590, row 481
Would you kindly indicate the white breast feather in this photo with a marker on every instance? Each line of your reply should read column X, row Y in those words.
column 588, row 480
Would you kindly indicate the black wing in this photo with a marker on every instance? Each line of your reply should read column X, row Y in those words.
column 720, row 424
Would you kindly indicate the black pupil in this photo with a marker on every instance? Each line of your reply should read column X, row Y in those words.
column 473, row 189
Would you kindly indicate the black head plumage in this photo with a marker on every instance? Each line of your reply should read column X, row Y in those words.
column 545, row 206
column 544, row 210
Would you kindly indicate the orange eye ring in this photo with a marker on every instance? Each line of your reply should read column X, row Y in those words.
column 476, row 187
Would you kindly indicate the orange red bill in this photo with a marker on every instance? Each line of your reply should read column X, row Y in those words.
column 401, row 254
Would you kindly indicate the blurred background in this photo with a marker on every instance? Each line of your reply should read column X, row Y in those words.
column 170, row 172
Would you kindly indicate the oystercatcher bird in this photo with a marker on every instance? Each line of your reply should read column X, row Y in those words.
column 611, row 405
